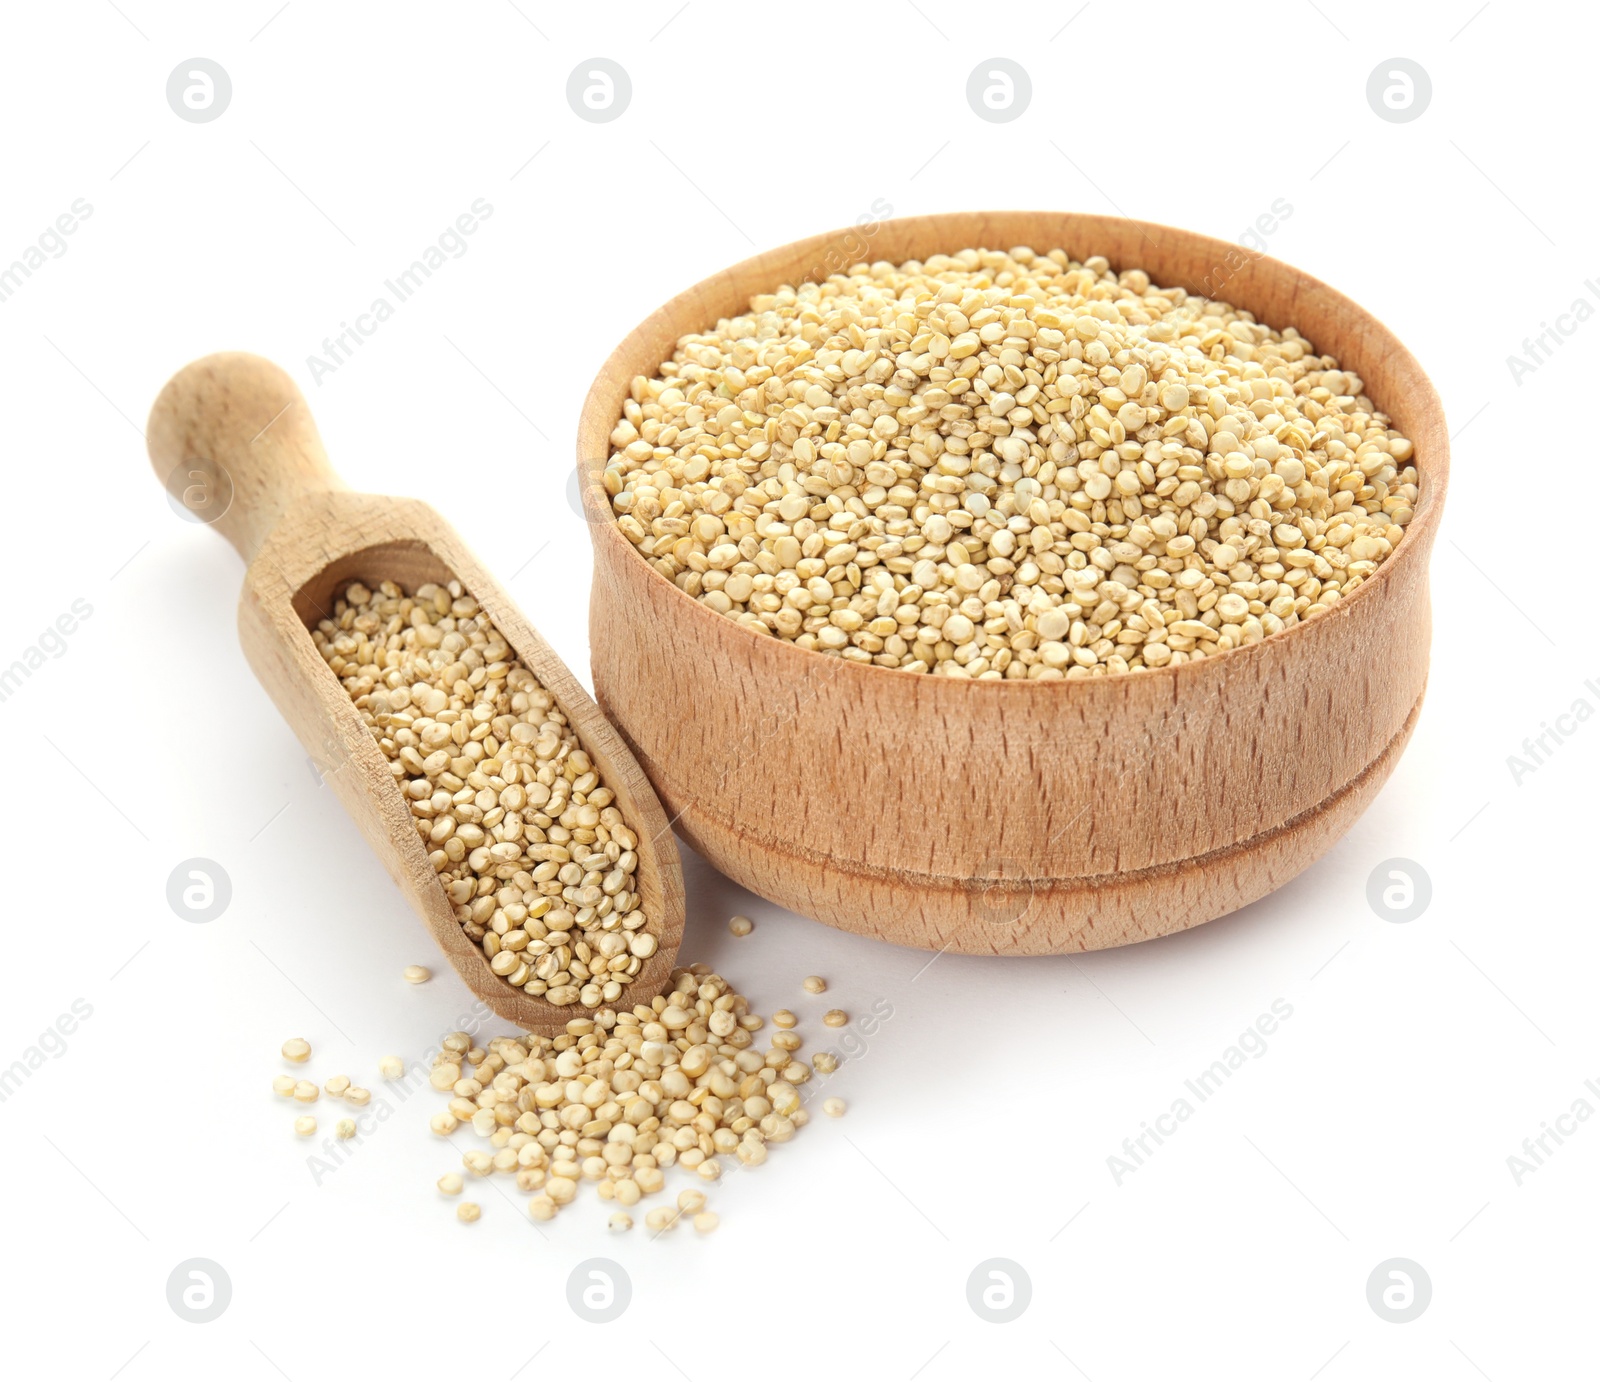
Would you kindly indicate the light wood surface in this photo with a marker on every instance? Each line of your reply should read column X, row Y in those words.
column 1017, row 817
column 305, row 537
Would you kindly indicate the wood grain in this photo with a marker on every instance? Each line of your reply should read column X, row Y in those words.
column 1017, row 817
column 306, row 537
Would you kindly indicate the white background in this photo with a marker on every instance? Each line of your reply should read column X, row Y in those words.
column 1379, row 1121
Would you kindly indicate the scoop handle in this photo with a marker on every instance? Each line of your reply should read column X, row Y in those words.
column 233, row 440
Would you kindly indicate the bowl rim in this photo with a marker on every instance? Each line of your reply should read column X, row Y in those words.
column 599, row 414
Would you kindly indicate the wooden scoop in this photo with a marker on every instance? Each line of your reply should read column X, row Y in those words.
column 235, row 444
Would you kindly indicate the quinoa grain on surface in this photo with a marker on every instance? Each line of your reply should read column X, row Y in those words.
column 619, row 1098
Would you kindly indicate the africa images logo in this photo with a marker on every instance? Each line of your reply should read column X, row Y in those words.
column 451, row 243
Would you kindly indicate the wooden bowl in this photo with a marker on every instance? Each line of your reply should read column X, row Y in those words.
column 1007, row 817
